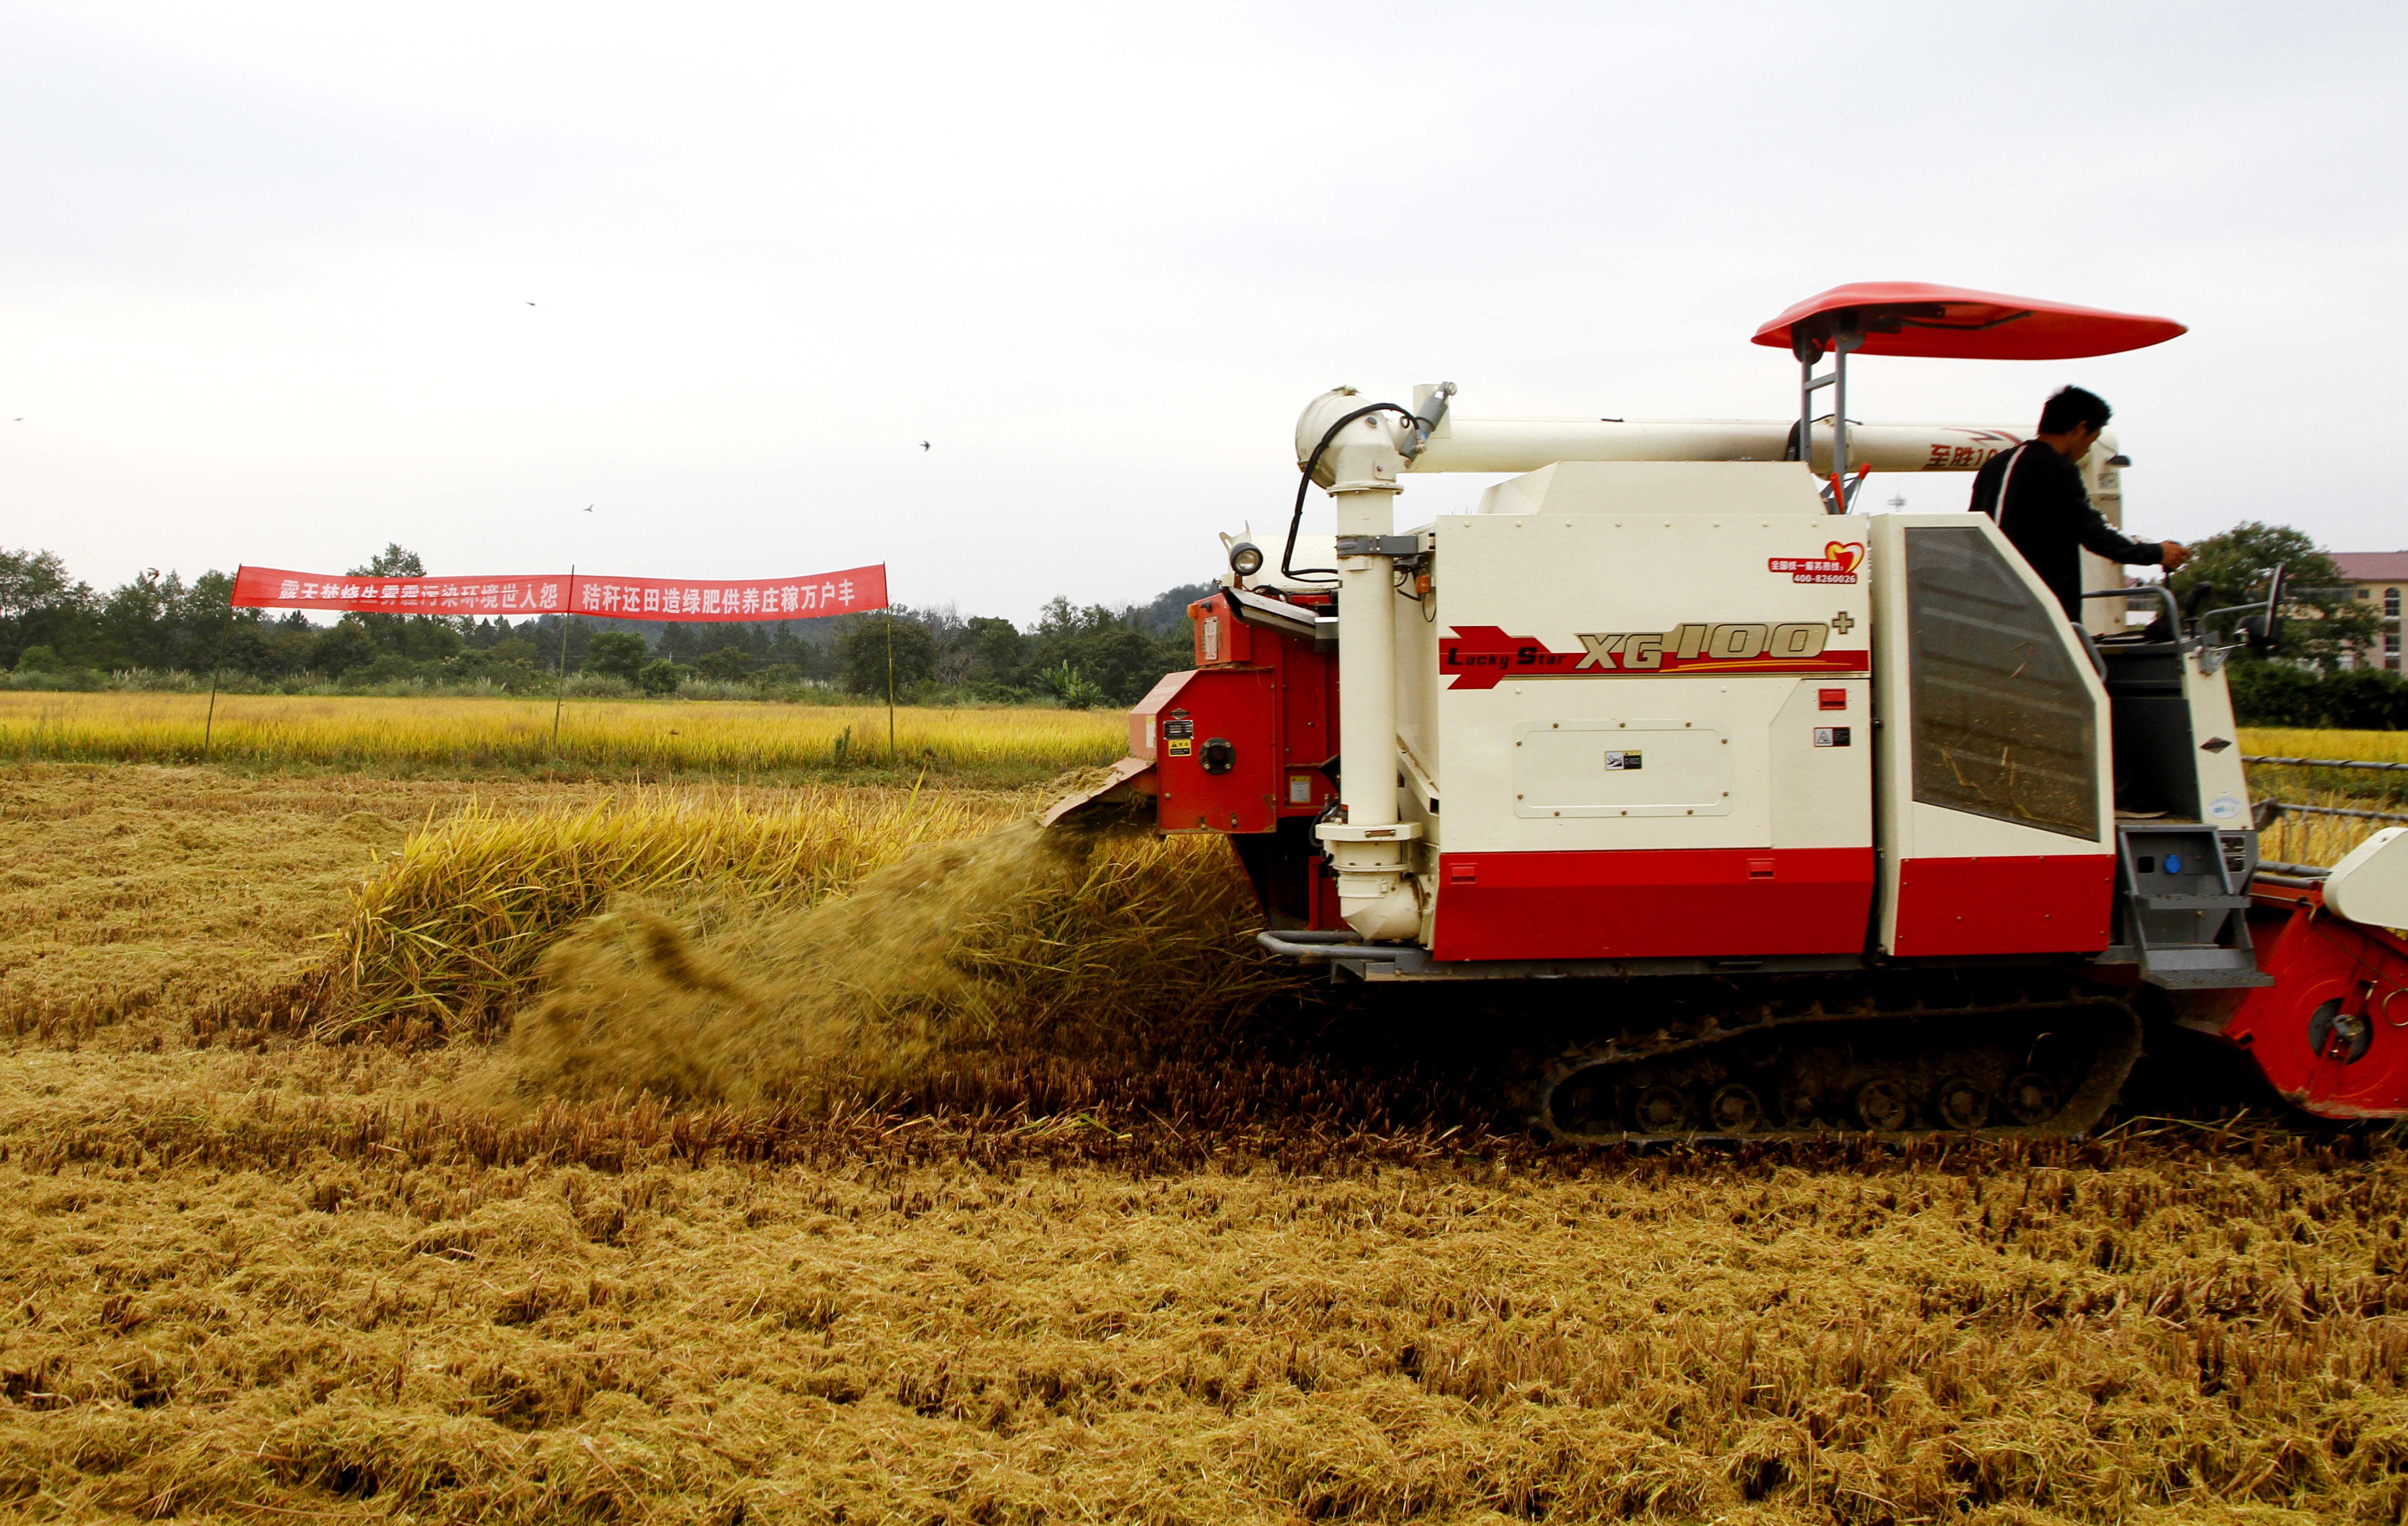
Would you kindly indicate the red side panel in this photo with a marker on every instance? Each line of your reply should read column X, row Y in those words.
column 1213, row 737
column 2056, row 903
column 1220, row 635
column 1736, row 902
column 2356, row 974
column 1307, row 687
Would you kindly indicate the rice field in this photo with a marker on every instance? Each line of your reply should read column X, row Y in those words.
column 619, row 739
column 2311, row 836
column 380, row 1147
column 2366, row 746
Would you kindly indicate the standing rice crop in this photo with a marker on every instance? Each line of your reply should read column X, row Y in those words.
column 724, row 738
column 2311, row 836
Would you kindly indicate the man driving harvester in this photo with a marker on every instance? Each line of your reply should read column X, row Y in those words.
column 2036, row 494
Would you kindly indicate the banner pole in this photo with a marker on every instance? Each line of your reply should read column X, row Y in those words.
column 560, row 689
column 890, row 682
column 216, row 661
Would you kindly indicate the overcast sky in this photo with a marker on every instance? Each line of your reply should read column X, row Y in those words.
column 265, row 281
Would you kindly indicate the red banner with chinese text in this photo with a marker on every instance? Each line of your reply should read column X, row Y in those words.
column 527, row 595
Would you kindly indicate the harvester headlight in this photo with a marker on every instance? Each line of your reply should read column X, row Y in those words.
column 1245, row 559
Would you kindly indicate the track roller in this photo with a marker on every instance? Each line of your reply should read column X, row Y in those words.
column 2047, row 1068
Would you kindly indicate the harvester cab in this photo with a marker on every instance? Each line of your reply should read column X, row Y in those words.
column 1837, row 819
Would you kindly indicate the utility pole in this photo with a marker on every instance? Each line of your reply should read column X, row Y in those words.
column 217, row 664
column 560, row 690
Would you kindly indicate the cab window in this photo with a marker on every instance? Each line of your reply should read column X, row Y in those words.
column 2003, row 725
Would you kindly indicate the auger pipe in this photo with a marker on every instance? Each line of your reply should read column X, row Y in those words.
column 1524, row 445
column 1357, row 452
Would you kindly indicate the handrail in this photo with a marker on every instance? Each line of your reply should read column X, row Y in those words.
column 2331, row 810
column 2295, row 871
column 1312, row 946
column 2325, row 763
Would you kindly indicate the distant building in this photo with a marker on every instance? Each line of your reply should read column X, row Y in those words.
column 2375, row 579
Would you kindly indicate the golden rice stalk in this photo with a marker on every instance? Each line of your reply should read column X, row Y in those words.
column 447, row 936
column 2295, row 742
column 2310, row 838
column 2294, row 837
column 656, row 737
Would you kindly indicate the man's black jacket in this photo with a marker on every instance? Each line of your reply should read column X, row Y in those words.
column 2050, row 519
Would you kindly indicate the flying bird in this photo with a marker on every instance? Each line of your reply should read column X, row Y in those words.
column 530, row 304
column 923, row 445
column 589, row 508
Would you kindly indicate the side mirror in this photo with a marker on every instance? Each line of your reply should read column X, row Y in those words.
column 2270, row 625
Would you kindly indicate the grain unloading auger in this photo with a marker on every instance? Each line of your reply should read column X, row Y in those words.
column 1813, row 819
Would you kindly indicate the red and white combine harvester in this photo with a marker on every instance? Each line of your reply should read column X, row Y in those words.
column 1813, row 819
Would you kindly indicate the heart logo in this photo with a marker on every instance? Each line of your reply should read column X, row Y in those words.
column 1847, row 553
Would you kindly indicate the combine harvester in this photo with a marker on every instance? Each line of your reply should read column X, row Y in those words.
column 1811, row 819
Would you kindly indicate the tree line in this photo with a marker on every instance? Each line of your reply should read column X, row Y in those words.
column 59, row 632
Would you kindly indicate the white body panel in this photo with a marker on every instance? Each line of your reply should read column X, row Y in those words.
column 2370, row 884
column 1912, row 828
column 1728, row 758
column 1633, row 711
column 2223, row 782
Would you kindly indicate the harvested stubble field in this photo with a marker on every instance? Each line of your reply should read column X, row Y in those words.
column 1074, row 1216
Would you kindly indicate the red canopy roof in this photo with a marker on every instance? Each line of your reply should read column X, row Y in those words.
column 1909, row 318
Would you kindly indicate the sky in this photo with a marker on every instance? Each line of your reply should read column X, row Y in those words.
column 282, row 284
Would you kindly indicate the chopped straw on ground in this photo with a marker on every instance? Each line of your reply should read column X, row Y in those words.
column 845, row 945
column 835, row 1269
column 445, row 939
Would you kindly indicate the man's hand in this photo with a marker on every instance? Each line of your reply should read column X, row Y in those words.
column 2176, row 555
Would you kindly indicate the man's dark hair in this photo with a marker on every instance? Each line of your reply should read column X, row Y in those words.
column 2073, row 408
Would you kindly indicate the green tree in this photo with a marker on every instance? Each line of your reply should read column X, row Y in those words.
column 998, row 652
column 725, row 665
column 616, row 654
column 1113, row 651
column 342, row 647
column 1066, row 683
column 129, row 621
column 863, row 648
column 421, row 638
column 40, row 606
column 660, row 676
column 2322, row 621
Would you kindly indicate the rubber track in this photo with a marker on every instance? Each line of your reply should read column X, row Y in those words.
column 2088, row 1101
